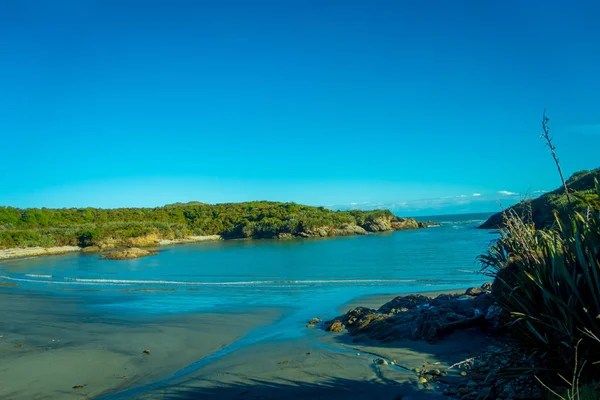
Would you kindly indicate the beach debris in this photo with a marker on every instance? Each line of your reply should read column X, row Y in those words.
column 380, row 361
column 423, row 380
column 146, row 352
column 283, row 362
column 463, row 373
column 77, row 387
column 19, row 345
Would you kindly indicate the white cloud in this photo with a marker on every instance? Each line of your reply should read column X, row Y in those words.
column 507, row 193
column 476, row 194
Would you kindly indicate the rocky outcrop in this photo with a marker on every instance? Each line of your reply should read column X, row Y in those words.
column 380, row 224
column 427, row 224
column 402, row 224
column 350, row 230
column 418, row 317
column 391, row 222
column 128, row 254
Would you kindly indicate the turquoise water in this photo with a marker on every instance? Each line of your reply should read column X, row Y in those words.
column 313, row 276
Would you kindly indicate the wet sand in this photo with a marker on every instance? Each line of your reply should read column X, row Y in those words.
column 323, row 366
column 57, row 347
column 51, row 344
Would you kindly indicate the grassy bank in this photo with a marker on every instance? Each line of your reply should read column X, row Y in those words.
column 143, row 226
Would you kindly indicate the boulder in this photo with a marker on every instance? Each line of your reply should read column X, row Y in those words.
column 402, row 224
column 379, row 224
column 474, row 291
column 128, row 254
column 335, row 326
column 415, row 317
column 350, row 230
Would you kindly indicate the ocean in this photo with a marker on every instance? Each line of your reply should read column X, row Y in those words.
column 312, row 276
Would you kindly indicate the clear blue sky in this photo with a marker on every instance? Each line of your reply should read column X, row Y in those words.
column 420, row 104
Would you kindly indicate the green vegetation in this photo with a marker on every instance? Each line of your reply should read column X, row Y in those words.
column 549, row 282
column 540, row 211
column 93, row 226
column 546, row 270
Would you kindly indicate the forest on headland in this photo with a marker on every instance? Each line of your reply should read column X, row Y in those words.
column 85, row 227
column 540, row 211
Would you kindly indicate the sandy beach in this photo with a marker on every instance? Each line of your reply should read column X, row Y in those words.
column 323, row 365
column 36, row 251
column 71, row 353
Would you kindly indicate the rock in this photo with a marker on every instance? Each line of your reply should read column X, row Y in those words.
column 350, row 230
column 416, row 317
column 474, row 291
column 128, row 254
column 284, row 235
column 336, row 326
column 379, row 224
column 463, row 391
column 77, row 387
column 310, row 325
column 380, row 361
column 147, row 352
column 283, row 362
column 91, row 249
column 487, row 286
column 403, row 224
column 427, row 224
column 494, row 316
column 315, row 321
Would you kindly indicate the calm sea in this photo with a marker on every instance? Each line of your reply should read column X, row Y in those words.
column 312, row 276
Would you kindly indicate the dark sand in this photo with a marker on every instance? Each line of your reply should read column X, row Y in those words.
column 50, row 344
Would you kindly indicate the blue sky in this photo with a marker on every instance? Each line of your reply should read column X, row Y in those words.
column 421, row 105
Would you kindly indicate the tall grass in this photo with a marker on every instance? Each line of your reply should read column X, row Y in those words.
column 548, row 281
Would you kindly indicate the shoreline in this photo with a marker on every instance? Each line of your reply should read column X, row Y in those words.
column 25, row 252
column 119, row 367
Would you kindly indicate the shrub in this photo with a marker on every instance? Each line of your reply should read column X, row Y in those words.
column 549, row 282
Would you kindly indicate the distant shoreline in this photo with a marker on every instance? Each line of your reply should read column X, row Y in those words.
column 25, row 252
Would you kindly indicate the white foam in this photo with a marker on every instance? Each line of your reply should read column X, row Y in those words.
column 39, row 276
